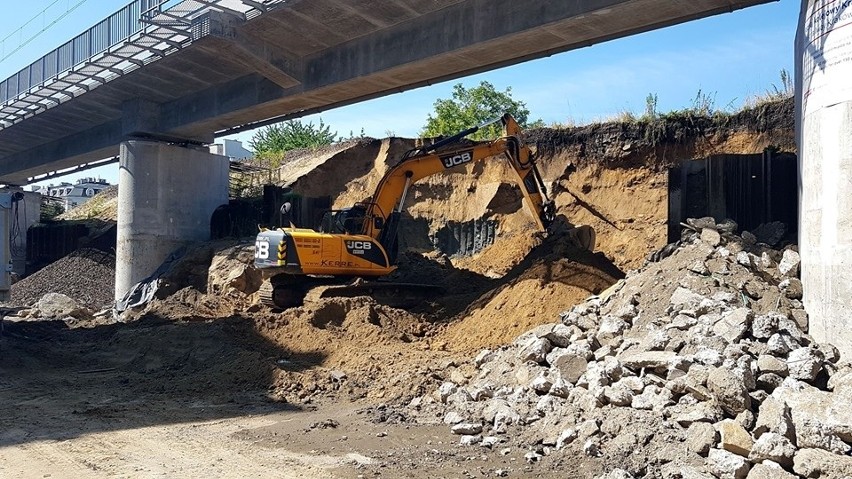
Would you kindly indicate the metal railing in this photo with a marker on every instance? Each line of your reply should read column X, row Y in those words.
column 141, row 32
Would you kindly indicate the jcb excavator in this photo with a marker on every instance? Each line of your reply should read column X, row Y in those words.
column 361, row 241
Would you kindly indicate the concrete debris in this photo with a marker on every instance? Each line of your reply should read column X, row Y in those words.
column 680, row 361
column 59, row 306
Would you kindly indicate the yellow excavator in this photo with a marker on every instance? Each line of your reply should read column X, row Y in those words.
column 361, row 241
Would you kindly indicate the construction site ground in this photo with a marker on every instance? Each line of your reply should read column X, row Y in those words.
column 204, row 382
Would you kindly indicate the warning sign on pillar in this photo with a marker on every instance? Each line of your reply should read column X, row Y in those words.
column 825, row 44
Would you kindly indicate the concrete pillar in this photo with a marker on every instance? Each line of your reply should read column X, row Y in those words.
column 166, row 196
column 824, row 133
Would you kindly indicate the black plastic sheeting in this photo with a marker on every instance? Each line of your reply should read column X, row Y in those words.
column 750, row 189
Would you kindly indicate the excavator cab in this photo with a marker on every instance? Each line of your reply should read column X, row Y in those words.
column 346, row 221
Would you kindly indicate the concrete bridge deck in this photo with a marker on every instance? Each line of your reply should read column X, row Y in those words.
column 304, row 56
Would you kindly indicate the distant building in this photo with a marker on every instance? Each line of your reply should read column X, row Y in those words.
column 74, row 195
column 233, row 149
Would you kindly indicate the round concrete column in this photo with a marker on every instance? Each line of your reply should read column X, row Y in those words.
column 824, row 130
column 166, row 196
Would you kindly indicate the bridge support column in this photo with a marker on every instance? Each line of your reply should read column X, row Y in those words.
column 824, row 129
column 166, row 196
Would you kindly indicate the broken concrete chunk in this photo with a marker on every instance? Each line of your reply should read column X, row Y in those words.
column 724, row 464
column 646, row 359
column 483, row 357
column 734, row 325
column 535, row 350
column 616, row 474
column 453, row 417
column 729, row 390
column 541, row 384
column 780, row 344
column 711, row 237
column 652, row 398
column 445, row 390
column 804, row 364
column 820, row 463
column 683, row 298
column 769, row 470
column 734, row 438
column 467, row 428
column 789, row 264
column 701, row 437
column 774, row 416
column 570, row 367
column 770, row 364
column 470, row 440
column 821, row 419
column 565, row 437
column 773, row 447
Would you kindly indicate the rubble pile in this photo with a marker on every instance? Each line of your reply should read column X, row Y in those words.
column 698, row 365
column 86, row 276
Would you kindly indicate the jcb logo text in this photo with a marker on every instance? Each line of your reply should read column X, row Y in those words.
column 455, row 160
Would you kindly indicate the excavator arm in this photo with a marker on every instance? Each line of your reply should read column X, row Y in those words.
column 388, row 201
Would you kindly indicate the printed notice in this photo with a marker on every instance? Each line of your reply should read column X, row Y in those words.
column 826, row 47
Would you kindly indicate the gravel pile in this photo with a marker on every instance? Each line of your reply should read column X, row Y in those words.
column 86, row 275
column 697, row 366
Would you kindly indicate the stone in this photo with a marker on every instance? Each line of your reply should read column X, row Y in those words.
column 789, row 264
column 829, row 353
column 610, row 328
column 532, row 457
column 56, row 305
column 467, row 428
column 483, row 357
column 780, row 344
column 652, row 398
column 566, row 437
column 767, row 471
column 744, row 259
column 646, row 359
column 588, row 428
column 711, row 237
column 724, row 464
column 615, row 474
column 490, row 441
column 499, row 407
column 821, row 419
column 745, row 419
column 560, row 388
column 769, row 381
column 570, row 367
column 729, row 390
column 701, row 437
column 764, row 326
column 770, row 364
column 773, row 447
column 708, row 357
column 683, row 298
column 734, row 325
column 470, row 440
column 792, row 288
column 535, row 350
column 800, row 316
column 821, row 463
column 453, row 417
column 591, row 448
column 541, row 384
column 774, row 416
column 445, row 390
column 804, row 364
column 560, row 335
column 618, row 395
column 700, row 412
column 734, row 438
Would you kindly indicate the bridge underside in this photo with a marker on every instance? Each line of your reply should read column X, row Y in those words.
column 313, row 55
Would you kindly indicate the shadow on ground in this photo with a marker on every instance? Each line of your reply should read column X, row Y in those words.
column 59, row 382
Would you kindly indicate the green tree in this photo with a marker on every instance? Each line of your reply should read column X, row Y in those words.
column 291, row 135
column 474, row 106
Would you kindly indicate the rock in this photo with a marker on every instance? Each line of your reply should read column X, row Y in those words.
column 829, row 353
column 591, row 448
column 744, row 259
column 821, row 463
column 560, row 335
column 467, row 428
column 804, row 363
column 792, row 288
column 821, row 419
column 490, row 441
column 618, row 395
column 789, row 265
column 535, row 350
column 683, row 298
column 773, row 447
column 646, row 359
column 565, row 437
column 560, row 388
column 453, row 417
column 701, row 437
column 734, row 438
column 499, row 407
column 770, row 364
column 702, row 412
column 483, row 357
column 728, row 389
column 711, row 237
column 724, row 464
column 745, row 419
column 541, row 384
column 653, row 398
column 800, row 316
column 570, row 367
column 764, row 326
column 774, row 416
column 780, row 344
column 769, row 470
column 445, row 390
column 58, row 306
column 532, row 457
column 615, row 474
column 769, row 381
column 734, row 325
column 470, row 440
column 610, row 328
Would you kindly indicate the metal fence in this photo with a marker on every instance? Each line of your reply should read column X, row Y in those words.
column 113, row 30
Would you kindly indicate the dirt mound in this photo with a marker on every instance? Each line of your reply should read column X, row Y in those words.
column 86, row 275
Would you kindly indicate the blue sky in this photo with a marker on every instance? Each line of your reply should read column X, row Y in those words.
column 731, row 56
